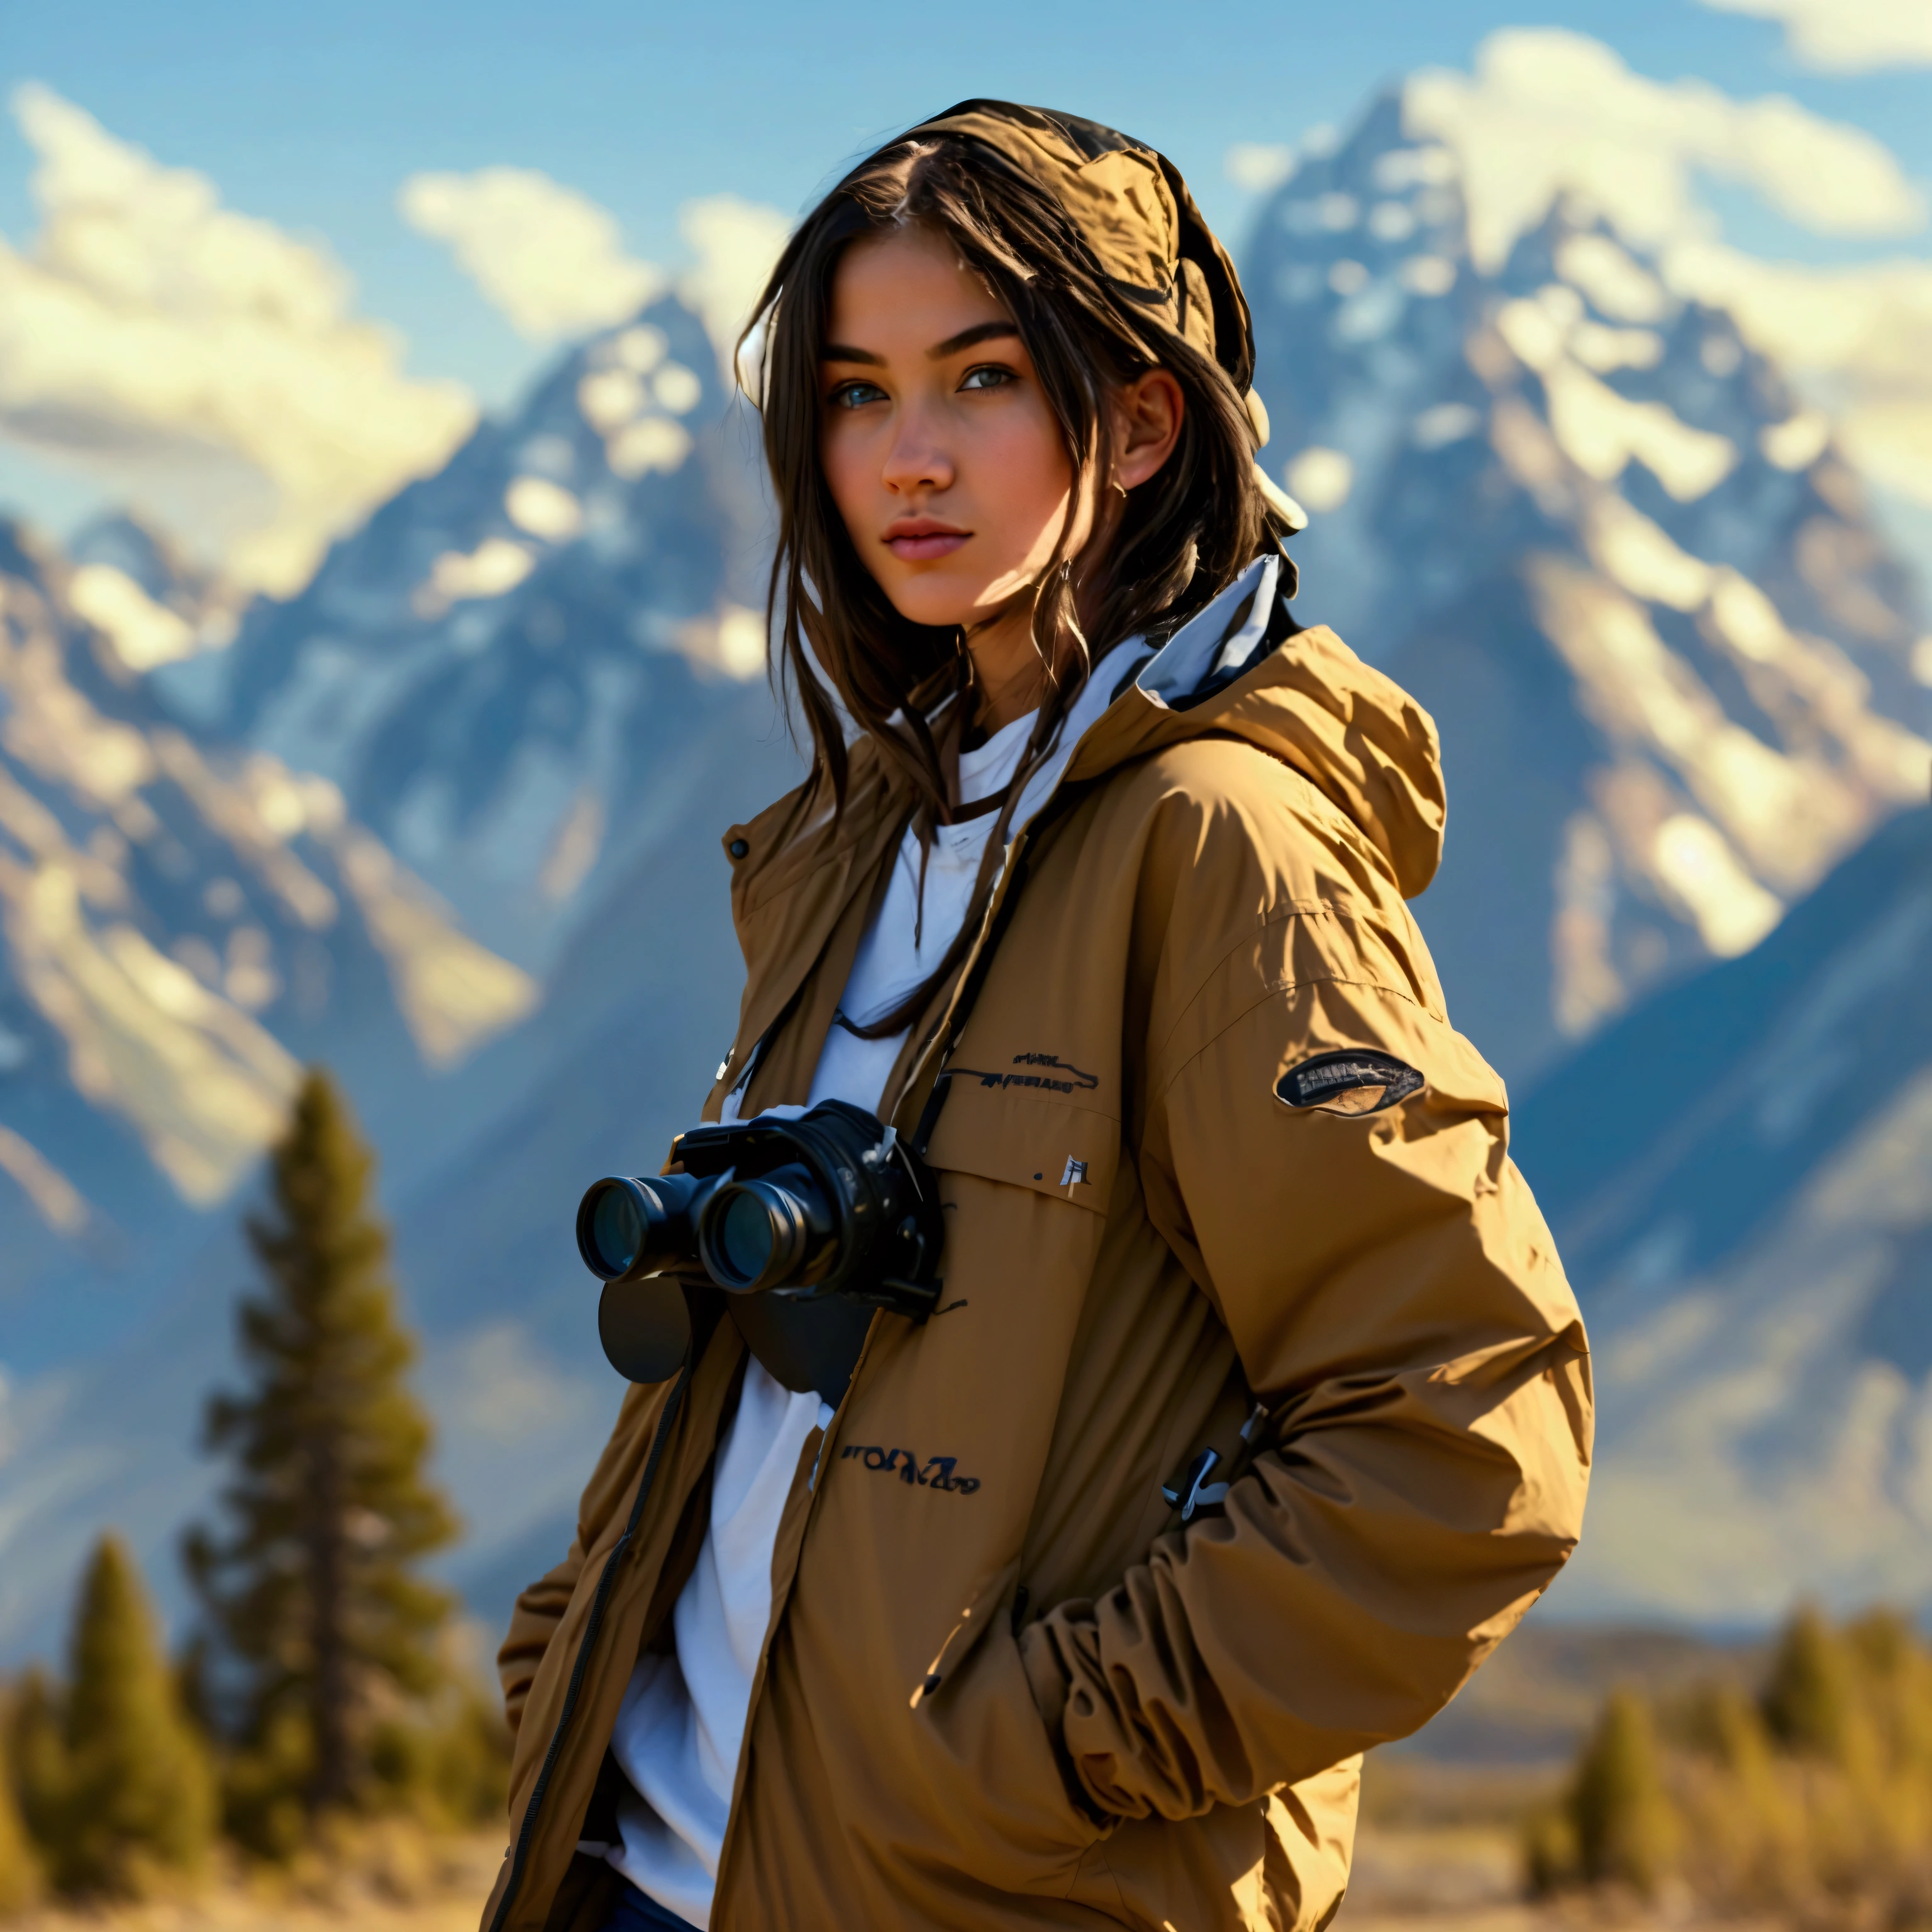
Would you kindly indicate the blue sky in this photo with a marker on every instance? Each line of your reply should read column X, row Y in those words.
column 311, row 117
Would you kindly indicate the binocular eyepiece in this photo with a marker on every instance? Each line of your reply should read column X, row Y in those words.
column 830, row 1203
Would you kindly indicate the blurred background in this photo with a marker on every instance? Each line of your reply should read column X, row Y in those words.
column 381, row 653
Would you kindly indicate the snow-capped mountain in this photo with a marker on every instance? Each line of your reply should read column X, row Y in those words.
column 1607, row 547
column 482, row 1170
column 498, row 669
column 1738, row 1174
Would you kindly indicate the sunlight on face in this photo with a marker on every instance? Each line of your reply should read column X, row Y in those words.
column 940, row 448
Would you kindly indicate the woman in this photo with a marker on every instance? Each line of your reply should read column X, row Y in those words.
column 1256, row 1408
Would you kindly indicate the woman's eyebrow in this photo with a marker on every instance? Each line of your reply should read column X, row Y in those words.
column 844, row 351
column 985, row 331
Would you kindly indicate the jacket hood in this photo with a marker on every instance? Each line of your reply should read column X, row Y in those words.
column 1305, row 698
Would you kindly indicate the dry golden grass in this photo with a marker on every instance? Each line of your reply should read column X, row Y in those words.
column 1469, row 1877
column 1427, row 1877
column 392, row 1877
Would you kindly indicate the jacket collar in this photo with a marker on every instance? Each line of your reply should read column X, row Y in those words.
column 1205, row 648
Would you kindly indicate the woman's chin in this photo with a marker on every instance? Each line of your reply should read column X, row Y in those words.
column 941, row 608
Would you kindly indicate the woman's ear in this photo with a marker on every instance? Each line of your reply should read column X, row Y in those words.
column 1148, row 412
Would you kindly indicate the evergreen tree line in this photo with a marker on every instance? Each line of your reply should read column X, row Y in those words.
column 318, row 1685
column 1812, row 1797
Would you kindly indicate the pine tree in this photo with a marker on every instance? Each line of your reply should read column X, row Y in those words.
column 20, row 1875
column 36, row 1751
column 1626, row 1829
column 1890, row 1760
column 139, row 1795
column 1810, row 1699
column 1886, row 1652
column 1727, row 1724
column 320, row 1622
column 1549, row 1851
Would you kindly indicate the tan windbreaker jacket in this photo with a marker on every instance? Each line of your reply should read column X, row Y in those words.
column 1004, row 1686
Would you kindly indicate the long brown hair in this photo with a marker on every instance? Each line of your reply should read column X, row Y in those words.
column 1183, row 536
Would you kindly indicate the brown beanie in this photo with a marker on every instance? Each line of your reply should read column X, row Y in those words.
column 1132, row 207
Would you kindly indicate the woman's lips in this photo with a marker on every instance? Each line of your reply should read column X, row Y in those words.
column 917, row 543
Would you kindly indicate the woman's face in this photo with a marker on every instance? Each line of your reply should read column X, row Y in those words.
column 940, row 447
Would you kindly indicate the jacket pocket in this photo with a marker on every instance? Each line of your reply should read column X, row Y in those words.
column 997, row 1127
column 1017, row 1825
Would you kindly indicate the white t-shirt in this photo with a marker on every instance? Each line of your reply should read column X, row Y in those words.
column 681, row 1726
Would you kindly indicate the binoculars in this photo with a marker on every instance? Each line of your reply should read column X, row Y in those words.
column 833, row 1203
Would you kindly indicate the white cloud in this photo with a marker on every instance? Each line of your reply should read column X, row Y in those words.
column 553, row 261
column 1259, row 167
column 1848, row 36
column 1551, row 112
column 205, row 365
column 737, row 244
column 548, row 257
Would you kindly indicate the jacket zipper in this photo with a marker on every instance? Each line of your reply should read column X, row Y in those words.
column 592, row 1625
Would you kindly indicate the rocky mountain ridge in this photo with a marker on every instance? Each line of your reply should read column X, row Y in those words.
column 182, row 930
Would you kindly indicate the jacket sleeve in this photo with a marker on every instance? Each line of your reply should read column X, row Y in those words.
column 540, row 1609
column 1396, row 1304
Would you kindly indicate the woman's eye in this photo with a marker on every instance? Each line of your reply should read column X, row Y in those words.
column 989, row 376
column 853, row 395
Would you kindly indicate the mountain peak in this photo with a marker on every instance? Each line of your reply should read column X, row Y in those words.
column 1600, row 537
column 493, row 669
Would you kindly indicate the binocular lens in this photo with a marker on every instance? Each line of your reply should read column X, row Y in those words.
column 760, row 1234
column 747, row 1236
column 617, row 1231
column 629, row 1228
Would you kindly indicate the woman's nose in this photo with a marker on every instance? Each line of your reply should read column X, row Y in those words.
column 917, row 458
